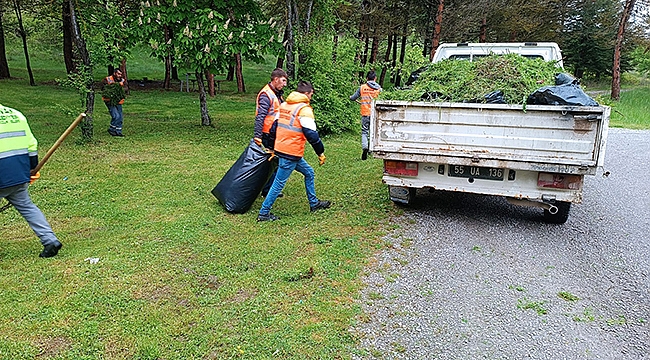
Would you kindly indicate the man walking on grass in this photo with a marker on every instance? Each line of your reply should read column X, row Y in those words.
column 18, row 156
column 295, row 125
column 366, row 92
column 268, row 104
column 113, row 97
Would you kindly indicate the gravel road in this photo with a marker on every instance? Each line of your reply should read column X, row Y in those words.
column 473, row 277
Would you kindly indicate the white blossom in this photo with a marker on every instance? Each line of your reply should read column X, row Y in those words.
column 169, row 42
column 207, row 48
column 241, row 36
column 190, row 35
column 154, row 45
column 147, row 4
column 141, row 12
column 139, row 21
column 270, row 21
column 198, row 27
column 273, row 25
column 148, row 20
column 230, row 36
column 214, row 28
column 158, row 17
column 225, row 26
column 285, row 43
column 187, row 30
column 157, row 3
column 174, row 4
column 211, row 15
column 271, row 39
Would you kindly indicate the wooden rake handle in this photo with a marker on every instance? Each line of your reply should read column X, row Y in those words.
column 58, row 143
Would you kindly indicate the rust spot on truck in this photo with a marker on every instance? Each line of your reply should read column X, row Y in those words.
column 582, row 126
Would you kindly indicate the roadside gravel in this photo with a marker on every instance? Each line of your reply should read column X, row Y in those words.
column 473, row 277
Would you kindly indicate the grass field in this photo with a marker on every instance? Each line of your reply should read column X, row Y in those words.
column 177, row 276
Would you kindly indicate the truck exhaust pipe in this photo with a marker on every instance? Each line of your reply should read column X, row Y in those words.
column 546, row 206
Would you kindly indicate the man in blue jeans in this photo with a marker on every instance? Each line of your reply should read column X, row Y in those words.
column 18, row 155
column 114, row 105
column 295, row 125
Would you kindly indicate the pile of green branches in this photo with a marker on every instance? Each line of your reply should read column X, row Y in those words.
column 465, row 81
column 114, row 92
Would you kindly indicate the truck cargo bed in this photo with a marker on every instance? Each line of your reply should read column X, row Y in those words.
column 564, row 139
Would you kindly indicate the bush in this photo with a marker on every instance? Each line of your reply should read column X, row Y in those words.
column 332, row 71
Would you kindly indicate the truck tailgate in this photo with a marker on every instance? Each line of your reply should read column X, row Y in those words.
column 539, row 137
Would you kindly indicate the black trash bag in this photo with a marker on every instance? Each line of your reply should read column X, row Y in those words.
column 495, row 97
column 243, row 183
column 566, row 94
column 564, row 78
column 415, row 75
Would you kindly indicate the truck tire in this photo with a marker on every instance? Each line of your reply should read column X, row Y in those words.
column 562, row 215
column 401, row 195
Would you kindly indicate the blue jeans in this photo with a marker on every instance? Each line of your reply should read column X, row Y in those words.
column 285, row 169
column 19, row 198
column 116, row 118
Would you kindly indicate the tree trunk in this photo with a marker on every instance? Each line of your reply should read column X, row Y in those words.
column 291, row 66
column 374, row 52
column 231, row 72
column 4, row 65
column 174, row 69
column 280, row 63
column 239, row 75
column 483, row 35
column 167, row 83
column 87, row 124
column 308, row 17
column 23, row 35
column 205, row 115
column 386, row 58
column 68, row 47
column 394, row 61
column 435, row 38
column 210, row 77
column 620, row 36
column 398, row 77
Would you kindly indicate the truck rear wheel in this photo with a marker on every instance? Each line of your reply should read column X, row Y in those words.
column 562, row 214
column 401, row 195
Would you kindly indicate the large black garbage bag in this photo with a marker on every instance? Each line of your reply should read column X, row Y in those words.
column 566, row 92
column 243, row 183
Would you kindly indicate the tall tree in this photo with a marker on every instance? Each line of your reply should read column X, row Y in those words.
column 206, row 35
column 68, row 53
column 616, row 68
column 4, row 65
column 23, row 35
column 86, row 77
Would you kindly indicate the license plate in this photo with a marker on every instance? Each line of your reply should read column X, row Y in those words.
column 476, row 172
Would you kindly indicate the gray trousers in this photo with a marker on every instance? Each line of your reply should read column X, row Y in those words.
column 19, row 197
column 365, row 129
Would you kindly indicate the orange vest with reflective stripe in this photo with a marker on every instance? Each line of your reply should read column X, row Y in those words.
column 110, row 80
column 367, row 94
column 289, row 138
column 275, row 106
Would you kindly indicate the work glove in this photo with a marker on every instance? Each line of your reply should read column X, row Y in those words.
column 34, row 177
column 258, row 141
column 321, row 159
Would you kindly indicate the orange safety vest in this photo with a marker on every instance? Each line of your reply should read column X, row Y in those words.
column 367, row 94
column 110, row 80
column 275, row 107
column 289, row 138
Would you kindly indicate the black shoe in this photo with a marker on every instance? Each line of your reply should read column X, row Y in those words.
column 50, row 250
column 322, row 204
column 267, row 217
column 113, row 133
column 364, row 155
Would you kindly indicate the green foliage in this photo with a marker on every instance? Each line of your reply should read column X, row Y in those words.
column 333, row 81
column 567, row 296
column 206, row 34
column 114, row 92
column 641, row 60
column 458, row 81
column 79, row 82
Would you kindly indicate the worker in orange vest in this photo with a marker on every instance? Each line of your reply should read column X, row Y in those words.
column 115, row 129
column 268, row 105
column 366, row 93
column 294, row 126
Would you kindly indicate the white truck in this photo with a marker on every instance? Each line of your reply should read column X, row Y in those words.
column 535, row 155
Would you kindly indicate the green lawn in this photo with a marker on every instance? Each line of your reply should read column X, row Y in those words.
column 178, row 277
